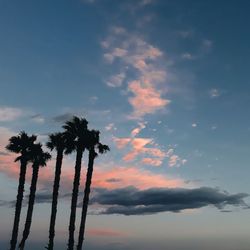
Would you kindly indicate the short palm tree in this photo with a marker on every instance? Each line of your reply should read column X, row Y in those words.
column 93, row 143
column 39, row 158
column 62, row 145
column 20, row 144
column 76, row 129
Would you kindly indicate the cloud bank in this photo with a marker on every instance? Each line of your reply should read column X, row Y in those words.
column 131, row 201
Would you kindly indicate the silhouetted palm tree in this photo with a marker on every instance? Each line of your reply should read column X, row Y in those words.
column 39, row 158
column 59, row 142
column 76, row 129
column 93, row 143
column 20, row 144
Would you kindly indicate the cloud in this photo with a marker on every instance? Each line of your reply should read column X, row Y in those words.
column 185, row 33
column 146, row 99
column 116, row 80
column 152, row 161
column 113, row 180
column 126, row 176
column 187, row 56
column 102, row 176
column 37, row 118
column 110, row 126
column 121, row 142
column 63, row 117
column 207, row 43
column 136, row 131
column 104, row 232
column 143, row 64
column 174, row 160
column 146, row 2
column 214, row 93
column 131, row 201
column 147, row 149
column 9, row 113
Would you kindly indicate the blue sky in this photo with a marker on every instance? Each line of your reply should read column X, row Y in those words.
column 166, row 83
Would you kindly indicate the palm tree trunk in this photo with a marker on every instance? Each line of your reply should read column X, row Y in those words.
column 30, row 206
column 59, row 159
column 19, row 200
column 92, row 156
column 74, row 197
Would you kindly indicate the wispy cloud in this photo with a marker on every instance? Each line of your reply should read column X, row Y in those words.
column 147, row 149
column 116, row 80
column 10, row 113
column 214, row 93
column 104, row 232
column 37, row 118
column 140, row 68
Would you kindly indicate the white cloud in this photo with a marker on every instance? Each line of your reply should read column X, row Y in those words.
column 214, row 93
column 116, row 80
column 110, row 126
column 187, row 56
column 37, row 118
column 10, row 113
column 185, row 33
column 207, row 43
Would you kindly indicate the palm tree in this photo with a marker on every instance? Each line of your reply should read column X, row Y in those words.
column 92, row 143
column 59, row 142
column 39, row 158
column 76, row 129
column 20, row 144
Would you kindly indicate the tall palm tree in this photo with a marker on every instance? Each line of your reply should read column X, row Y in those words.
column 61, row 144
column 76, row 129
column 93, row 143
column 20, row 144
column 39, row 158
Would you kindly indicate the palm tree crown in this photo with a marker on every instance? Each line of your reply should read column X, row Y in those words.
column 38, row 156
column 76, row 130
column 21, row 144
column 93, row 142
column 61, row 142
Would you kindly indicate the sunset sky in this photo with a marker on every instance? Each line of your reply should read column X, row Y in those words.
column 167, row 84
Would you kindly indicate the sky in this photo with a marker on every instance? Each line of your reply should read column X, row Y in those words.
column 167, row 84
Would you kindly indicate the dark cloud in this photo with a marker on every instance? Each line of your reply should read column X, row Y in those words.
column 131, row 201
column 4, row 203
column 63, row 117
column 42, row 197
column 111, row 180
column 193, row 181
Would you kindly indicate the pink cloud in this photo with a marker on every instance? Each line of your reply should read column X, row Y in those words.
column 121, row 142
column 133, row 52
column 152, row 161
column 131, row 176
column 136, row 131
column 146, row 99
